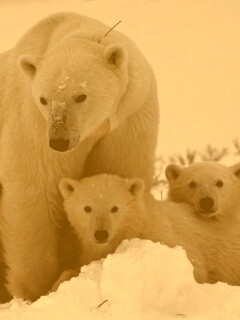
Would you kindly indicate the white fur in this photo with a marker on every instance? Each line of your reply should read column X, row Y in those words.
column 205, row 175
column 212, row 246
column 29, row 170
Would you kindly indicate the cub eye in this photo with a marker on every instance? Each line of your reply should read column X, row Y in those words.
column 43, row 101
column 114, row 209
column 219, row 183
column 87, row 209
column 80, row 98
column 192, row 184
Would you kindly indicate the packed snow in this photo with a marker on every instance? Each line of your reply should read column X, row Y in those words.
column 194, row 51
column 142, row 280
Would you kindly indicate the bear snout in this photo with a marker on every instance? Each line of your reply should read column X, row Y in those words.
column 101, row 236
column 206, row 204
column 59, row 144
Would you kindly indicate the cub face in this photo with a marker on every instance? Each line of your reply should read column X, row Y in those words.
column 101, row 208
column 76, row 86
column 211, row 188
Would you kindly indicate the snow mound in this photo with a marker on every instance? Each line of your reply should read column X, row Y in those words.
column 142, row 280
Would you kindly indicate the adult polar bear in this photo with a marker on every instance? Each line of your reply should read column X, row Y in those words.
column 57, row 86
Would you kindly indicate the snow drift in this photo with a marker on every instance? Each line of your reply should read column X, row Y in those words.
column 142, row 280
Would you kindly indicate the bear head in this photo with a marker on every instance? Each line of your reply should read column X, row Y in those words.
column 211, row 188
column 102, row 209
column 76, row 86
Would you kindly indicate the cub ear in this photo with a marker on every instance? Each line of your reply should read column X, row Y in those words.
column 136, row 186
column 67, row 187
column 115, row 55
column 172, row 172
column 28, row 65
column 236, row 169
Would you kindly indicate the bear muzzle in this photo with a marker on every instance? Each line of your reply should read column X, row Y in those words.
column 59, row 133
column 101, row 236
column 59, row 144
column 61, row 138
column 206, row 205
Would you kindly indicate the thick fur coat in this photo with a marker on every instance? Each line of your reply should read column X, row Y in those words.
column 211, row 188
column 57, row 85
column 104, row 210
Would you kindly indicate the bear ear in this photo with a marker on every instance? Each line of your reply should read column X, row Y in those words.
column 172, row 172
column 67, row 187
column 115, row 55
column 28, row 65
column 136, row 186
column 236, row 169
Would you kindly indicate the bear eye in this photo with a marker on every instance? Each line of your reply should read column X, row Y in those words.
column 80, row 98
column 219, row 183
column 43, row 101
column 114, row 209
column 192, row 184
column 87, row 209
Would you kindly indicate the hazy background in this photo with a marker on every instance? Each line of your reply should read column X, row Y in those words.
column 193, row 46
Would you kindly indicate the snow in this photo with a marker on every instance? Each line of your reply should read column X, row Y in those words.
column 83, row 84
column 62, row 86
column 142, row 280
column 194, row 50
column 59, row 110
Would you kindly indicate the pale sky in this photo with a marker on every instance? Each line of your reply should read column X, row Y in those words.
column 193, row 46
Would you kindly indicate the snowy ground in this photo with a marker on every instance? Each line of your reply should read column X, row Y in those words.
column 194, row 49
column 142, row 280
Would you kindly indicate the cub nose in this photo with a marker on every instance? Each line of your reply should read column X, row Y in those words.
column 101, row 235
column 59, row 144
column 206, row 204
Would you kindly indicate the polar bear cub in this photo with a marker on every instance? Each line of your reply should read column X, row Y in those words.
column 211, row 188
column 105, row 209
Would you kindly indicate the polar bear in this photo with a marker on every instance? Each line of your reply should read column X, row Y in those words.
column 59, row 84
column 4, row 294
column 211, row 188
column 105, row 209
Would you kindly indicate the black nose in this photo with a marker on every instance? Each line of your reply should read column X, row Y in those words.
column 206, row 204
column 59, row 144
column 101, row 235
